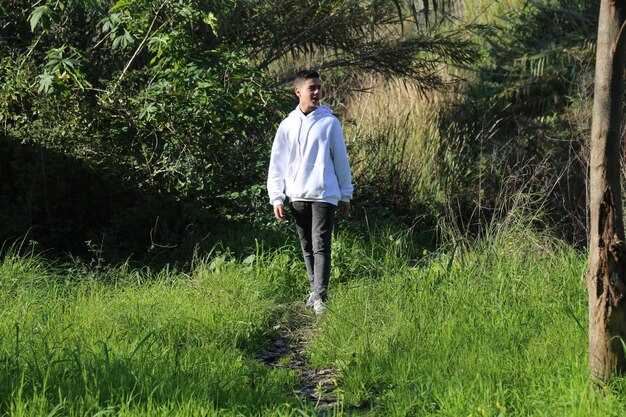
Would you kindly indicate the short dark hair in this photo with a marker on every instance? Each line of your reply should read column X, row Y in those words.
column 306, row 74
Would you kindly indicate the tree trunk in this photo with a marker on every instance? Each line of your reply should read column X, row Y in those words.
column 606, row 277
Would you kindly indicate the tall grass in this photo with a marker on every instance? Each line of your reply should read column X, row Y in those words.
column 489, row 11
column 181, row 344
column 512, row 123
column 393, row 133
column 481, row 328
column 488, row 328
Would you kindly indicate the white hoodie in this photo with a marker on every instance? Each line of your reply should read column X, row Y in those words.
column 309, row 161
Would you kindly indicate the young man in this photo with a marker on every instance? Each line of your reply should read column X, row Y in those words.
column 309, row 168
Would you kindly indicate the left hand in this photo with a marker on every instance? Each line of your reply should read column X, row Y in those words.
column 344, row 207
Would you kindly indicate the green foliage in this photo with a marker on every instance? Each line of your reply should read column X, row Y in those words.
column 136, row 343
column 166, row 109
column 544, row 47
column 474, row 330
column 171, row 105
column 144, row 97
column 523, row 121
column 496, row 327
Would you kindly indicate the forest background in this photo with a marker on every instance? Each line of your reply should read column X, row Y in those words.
column 142, row 130
column 134, row 144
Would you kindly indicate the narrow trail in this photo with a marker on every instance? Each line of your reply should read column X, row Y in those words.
column 317, row 386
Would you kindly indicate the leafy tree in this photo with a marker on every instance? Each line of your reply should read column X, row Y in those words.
column 523, row 117
column 178, row 98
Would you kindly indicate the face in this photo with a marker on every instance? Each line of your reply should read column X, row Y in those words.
column 309, row 93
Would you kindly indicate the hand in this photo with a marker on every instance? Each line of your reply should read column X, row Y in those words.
column 279, row 212
column 344, row 207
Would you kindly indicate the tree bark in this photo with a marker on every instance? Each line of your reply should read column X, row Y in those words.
column 606, row 277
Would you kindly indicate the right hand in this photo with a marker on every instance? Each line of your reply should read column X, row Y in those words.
column 344, row 208
column 279, row 212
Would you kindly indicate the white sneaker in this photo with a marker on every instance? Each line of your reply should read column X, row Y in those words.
column 309, row 302
column 319, row 307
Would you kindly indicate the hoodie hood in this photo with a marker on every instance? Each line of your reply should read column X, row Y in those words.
column 320, row 111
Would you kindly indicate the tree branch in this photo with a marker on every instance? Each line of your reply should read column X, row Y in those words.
column 140, row 47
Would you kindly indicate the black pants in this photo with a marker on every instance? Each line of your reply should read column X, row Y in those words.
column 314, row 223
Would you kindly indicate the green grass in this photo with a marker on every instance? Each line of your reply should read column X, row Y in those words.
column 138, row 344
column 481, row 329
column 487, row 330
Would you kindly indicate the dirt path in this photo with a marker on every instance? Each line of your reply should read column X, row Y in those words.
column 317, row 386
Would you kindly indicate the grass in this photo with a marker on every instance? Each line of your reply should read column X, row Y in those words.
column 181, row 344
column 396, row 151
column 487, row 328
column 489, row 11
column 483, row 330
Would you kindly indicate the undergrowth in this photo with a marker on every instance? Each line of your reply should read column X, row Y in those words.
column 481, row 328
column 142, row 344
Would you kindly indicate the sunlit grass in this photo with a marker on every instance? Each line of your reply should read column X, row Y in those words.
column 497, row 327
column 177, row 343
column 394, row 135
column 489, row 11
column 481, row 328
